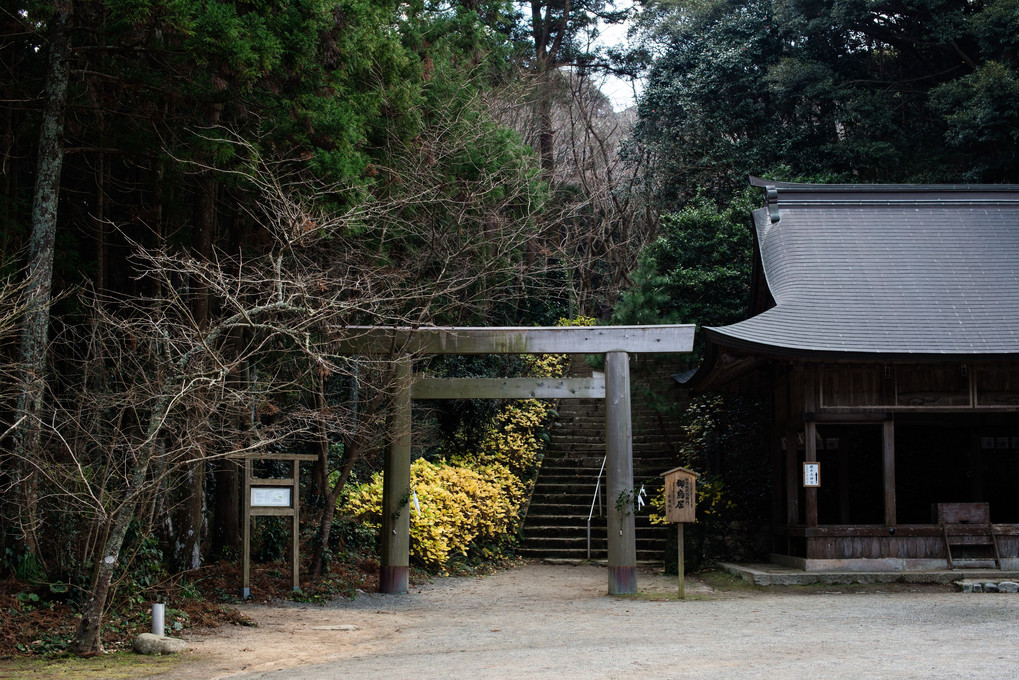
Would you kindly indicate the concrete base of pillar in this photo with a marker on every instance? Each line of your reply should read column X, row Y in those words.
column 622, row 580
column 394, row 580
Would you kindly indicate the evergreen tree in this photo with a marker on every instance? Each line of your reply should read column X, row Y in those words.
column 850, row 91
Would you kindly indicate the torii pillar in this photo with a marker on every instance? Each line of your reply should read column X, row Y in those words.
column 622, row 536
column 395, row 568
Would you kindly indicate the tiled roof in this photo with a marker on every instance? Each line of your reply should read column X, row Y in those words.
column 890, row 270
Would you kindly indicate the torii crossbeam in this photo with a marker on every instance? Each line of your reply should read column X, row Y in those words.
column 615, row 342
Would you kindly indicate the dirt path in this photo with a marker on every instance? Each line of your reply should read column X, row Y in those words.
column 543, row 621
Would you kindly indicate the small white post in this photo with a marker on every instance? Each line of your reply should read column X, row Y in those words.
column 158, row 619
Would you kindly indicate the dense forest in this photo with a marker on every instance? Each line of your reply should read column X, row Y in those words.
column 198, row 195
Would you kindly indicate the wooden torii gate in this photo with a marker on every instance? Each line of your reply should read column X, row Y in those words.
column 615, row 342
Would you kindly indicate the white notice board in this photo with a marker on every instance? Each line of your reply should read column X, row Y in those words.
column 270, row 497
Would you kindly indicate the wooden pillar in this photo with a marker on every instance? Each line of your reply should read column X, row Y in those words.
column 619, row 476
column 888, row 461
column 810, row 404
column 792, row 479
column 393, row 576
column 810, row 456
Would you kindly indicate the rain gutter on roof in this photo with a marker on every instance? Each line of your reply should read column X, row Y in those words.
column 791, row 194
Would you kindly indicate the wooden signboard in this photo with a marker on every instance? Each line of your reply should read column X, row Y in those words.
column 680, row 494
column 680, row 507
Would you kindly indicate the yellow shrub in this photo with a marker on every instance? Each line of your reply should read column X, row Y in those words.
column 457, row 505
column 513, row 439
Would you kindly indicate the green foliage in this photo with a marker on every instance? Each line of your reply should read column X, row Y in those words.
column 981, row 112
column 697, row 271
column 725, row 440
column 23, row 565
column 859, row 91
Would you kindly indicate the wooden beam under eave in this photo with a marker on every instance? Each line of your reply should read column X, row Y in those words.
column 510, row 388
column 676, row 338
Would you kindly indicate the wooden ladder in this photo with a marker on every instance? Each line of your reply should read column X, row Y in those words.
column 967, row 524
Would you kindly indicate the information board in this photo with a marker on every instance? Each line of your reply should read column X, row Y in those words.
column 270, row 497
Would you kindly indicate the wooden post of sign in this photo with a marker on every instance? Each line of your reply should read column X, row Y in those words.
column 394, row 571
column 680, row 507
column 295, row 530
column 622, row 535
column 246, row 541
column 681, row 565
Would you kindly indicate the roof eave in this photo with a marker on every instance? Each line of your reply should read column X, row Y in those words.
column 718, row 337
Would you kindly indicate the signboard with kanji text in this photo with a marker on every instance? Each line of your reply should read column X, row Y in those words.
column 680, row 494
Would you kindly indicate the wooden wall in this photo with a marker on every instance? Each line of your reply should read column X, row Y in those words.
column 918, row 386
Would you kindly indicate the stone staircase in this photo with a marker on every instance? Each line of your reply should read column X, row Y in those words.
column 555, row 527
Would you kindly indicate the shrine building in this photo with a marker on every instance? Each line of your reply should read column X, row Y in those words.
column 884, row 323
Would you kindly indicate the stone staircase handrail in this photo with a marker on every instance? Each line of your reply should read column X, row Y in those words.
column 595, row 501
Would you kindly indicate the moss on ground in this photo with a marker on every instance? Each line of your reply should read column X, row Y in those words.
column 116, row 666
column 717, row 579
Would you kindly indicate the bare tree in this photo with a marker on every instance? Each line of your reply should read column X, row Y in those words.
column 602, row 221
column 612, row 224
column 148, row 388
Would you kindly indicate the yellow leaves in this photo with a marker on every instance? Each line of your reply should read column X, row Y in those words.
column 472, row 498
column 458, row 504
column 577, row 321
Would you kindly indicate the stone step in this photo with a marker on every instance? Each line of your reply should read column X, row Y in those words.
column 574, row 555
column 586, row 484
column 556, row 522
column 563, row 548
column 554, row 535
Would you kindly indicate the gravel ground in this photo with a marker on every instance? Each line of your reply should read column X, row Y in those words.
column 543, row 621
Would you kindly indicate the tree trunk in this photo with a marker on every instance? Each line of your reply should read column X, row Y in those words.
column 189, row 520
column 35, row 333
column 226, row 535
column 188, row 527
column 226, row 525
column 87, row 639
column 546, row 134
column 352, row 451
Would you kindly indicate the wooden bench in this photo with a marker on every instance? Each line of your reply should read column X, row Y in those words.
column 967, row 525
